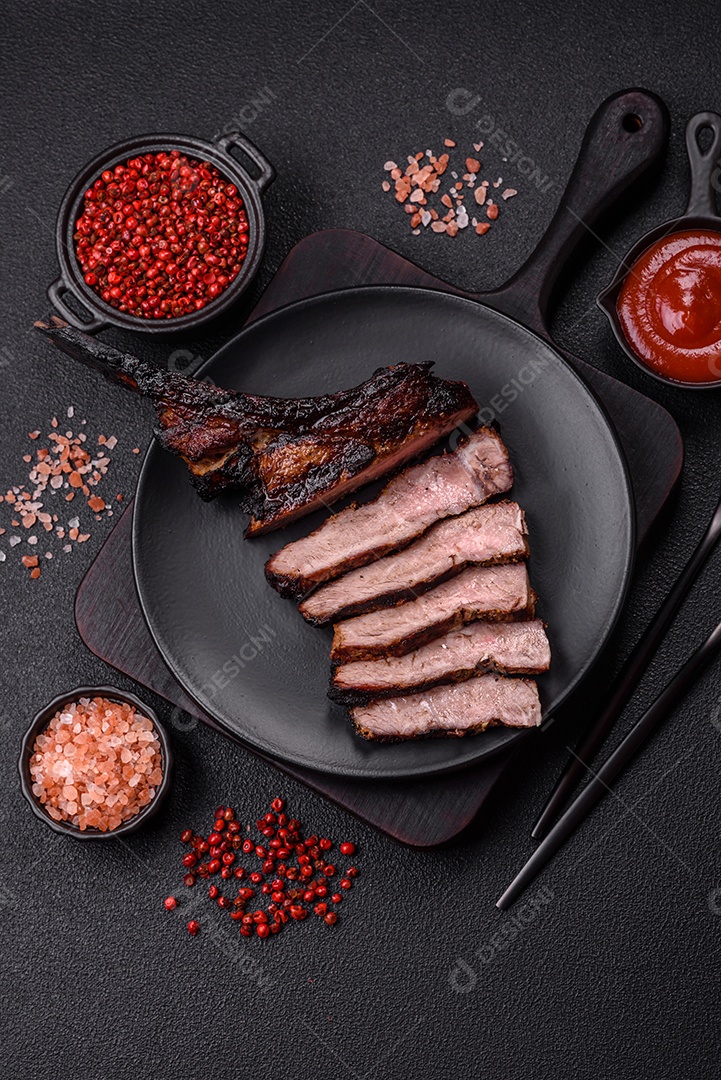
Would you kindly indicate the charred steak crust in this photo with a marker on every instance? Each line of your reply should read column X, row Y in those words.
column 518, row 648
column 440, row 487
column 489, row 535
column 287, row 456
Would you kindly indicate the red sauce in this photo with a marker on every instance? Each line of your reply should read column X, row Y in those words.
column 670, row 307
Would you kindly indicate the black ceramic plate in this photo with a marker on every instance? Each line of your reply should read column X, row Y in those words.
column 247, row 657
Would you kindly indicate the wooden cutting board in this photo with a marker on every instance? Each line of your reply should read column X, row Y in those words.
column 422, row 813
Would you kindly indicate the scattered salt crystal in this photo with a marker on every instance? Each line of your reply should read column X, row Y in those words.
column 32, row 540
column 3, row 556
column 71, row 412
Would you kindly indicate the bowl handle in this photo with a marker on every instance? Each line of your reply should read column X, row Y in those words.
column 234, row 138
column 56, row 292
column 705, row 165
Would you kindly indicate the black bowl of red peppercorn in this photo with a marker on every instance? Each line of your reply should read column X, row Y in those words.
column 160, row 233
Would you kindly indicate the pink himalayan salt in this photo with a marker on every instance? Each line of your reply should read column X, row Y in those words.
column 96, row 764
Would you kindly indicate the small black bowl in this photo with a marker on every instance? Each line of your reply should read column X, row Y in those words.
column 41, row 721
column 700, row 213
column 71, row 278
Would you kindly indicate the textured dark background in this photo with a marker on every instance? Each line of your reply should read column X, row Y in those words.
column 618, row 974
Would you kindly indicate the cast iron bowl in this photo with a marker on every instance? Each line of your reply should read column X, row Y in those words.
column 43, row 718
column 700, row 213
column 72, row 281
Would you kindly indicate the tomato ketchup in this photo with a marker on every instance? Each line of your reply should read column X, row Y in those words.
column 670, row 306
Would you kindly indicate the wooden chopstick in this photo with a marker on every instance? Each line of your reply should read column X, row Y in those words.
column 627, row 681
column 600, row 782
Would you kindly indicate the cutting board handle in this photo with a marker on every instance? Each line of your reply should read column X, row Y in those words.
column 627, row 136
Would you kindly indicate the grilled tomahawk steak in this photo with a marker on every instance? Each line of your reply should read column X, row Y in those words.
column 488, row 535
column 285, row 456
column 514, row 648
column 441, row 487
column 491, row 592
column 459, row 709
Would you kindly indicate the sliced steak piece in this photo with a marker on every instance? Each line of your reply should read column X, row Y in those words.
column 459, row 709
column 519, row 648
column 439, row 487
column 491, row 592
column 485, row 536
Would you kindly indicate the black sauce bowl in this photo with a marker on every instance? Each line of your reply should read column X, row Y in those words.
column 41, row 721
column 72, row 281
column 700, row 213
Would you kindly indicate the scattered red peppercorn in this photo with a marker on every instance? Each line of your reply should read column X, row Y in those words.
column 186, row 836
column 170, row 903
column 287, row 858
column 193, row 927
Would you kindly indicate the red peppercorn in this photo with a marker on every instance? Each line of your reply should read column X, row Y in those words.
column 277, row 805
column 236, row 916
column 219, row 824
column 320, row 909
column 309, row 896
column 213, row 892
column 193, row 927
column 224, row 901
column 345, row 883
column 214, row 839
column 226, row 873
column 228, row 858
column 329, row 870
column 260, row 852
column 336, row 898
column 228, row 814
column 321, row 890
column 331, row 918
column 256, row 878
column 186, row 836
column 297, row 912
column 189, row 880
column 324, row 844
column 351, row 872
column 246, row 893
column 347, row 848
column 170, row 903
column 233, row 827
column 239, row 871
column 190, row 859
column 262, row 930
column 248, row 846
column 246, row 931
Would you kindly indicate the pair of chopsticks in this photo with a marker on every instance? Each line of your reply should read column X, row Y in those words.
column 553, row 836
